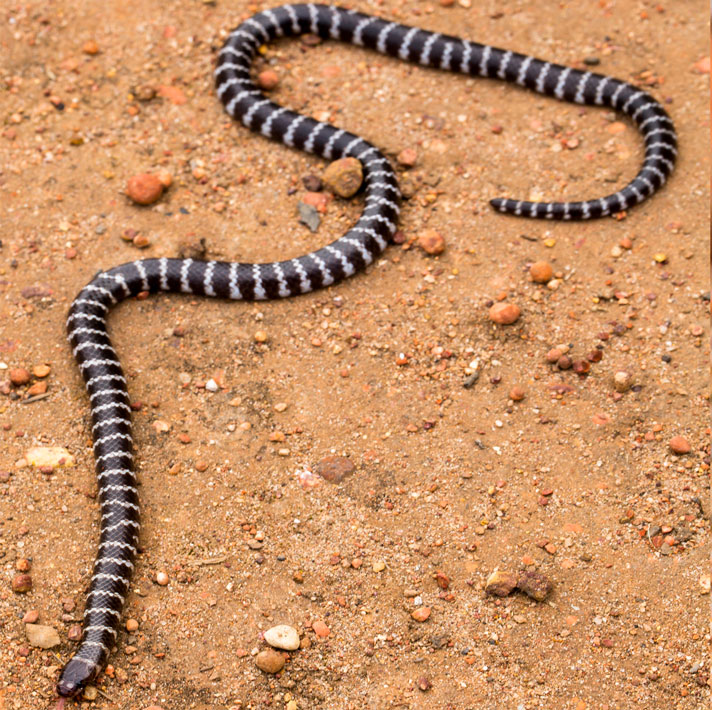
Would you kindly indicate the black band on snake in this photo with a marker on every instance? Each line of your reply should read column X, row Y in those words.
column 352, row 252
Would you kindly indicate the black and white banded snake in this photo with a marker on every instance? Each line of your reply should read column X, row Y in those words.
column 349, row 254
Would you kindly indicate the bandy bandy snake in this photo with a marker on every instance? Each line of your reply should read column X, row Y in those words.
column 351, row 253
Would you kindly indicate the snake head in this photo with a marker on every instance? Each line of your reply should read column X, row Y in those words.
column 75, row 676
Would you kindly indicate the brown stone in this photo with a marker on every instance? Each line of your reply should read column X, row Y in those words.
column 37, row 388
column 421, row 614
column 534, row 585
column 517, row 393
column 267, row 80
column 344, row 177
column 90, row 47
column 144, row 189
column 21, row 583
column 504, row 313
column 541, row 272
column 431, row 242
column 269, row 661
column 407, row 157
column 19, row 376
column 335, row 468
column 500, row 584
column 679, row 445
column 321, row 629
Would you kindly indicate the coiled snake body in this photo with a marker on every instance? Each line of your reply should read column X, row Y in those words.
column 352, row 252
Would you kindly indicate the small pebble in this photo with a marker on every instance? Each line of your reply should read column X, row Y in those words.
column 321, row 629
column 622, row 381
column 269, row 661
column 282, row 636
column 41, row 371
column 19, row 376
column 500, row 583
column 334, row 468
column 424, row 683
column 74, row 633
column 517, row 393
column 162, row 579
column 421, row 614
column 267, row 80
column 42, row 636
column 534, row 585
column 90, row 693
column 144, row 189
column 564, row 362
column 37, row 388
column 553, row 355
column 49, row 456
column 504, row 313
column 261, row 336
column 131, row 625
column 312, row 183
column 90, row 47
column 431, row 242
column 679, row 445
column 31, row 616
column 541, row 272
column 344, row 177
column 21, row 583
column 407, row 157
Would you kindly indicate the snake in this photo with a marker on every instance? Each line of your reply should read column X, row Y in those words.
column 353, row 252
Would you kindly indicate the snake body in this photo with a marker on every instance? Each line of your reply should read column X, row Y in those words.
column 86, row 324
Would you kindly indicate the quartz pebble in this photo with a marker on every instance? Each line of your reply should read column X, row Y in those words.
column 622, row 380
column 282, row 636
column 431, row 242
column 49, row 456
column 131, row 625
column 42, row 636
column 144, row 189
column 41, row 371
column 269, row 661
column 344, row 177
column 162, row 579
column 504, row 313
column 541, row 272
column 679, row 445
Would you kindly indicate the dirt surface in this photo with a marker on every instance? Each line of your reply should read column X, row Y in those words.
column 576, row 480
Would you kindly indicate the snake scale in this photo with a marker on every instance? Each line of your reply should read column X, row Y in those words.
column 86, row 324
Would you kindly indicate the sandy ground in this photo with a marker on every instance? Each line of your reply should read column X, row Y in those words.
column 575, row 481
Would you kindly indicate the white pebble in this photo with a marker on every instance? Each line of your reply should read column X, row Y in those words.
column 282, row 636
